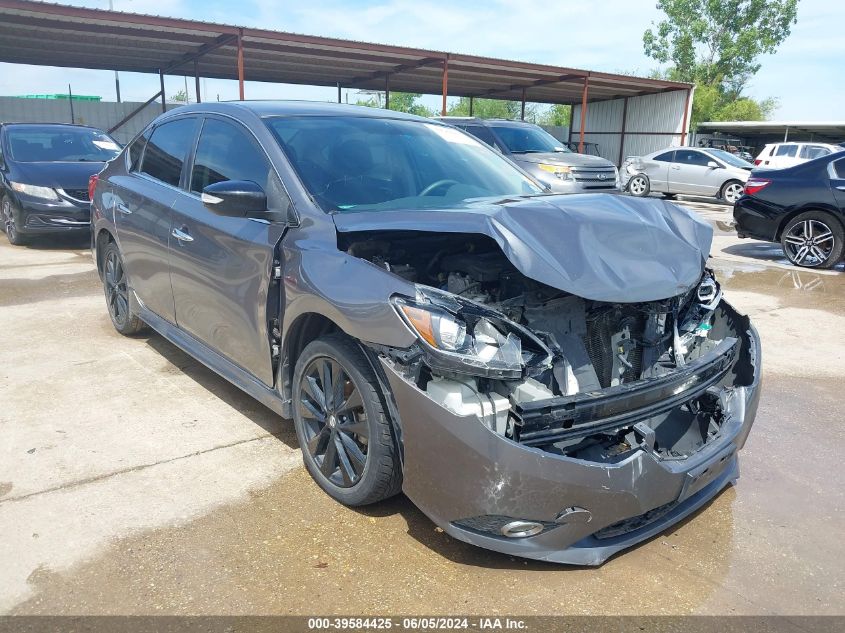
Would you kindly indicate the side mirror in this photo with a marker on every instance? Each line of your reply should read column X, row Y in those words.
column 712, row 164
column 235, row 198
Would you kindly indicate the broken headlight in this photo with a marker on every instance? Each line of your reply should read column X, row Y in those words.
column 460, row 336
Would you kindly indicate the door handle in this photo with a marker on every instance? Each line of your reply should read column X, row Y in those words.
column 675, row 167
column 123, row 208
column 181, row 235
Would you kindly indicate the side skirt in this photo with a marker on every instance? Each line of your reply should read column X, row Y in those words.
column 211, row 359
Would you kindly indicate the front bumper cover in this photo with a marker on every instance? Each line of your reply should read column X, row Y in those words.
column 62, row 216
column 456, row 469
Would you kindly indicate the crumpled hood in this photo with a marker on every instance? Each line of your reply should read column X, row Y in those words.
column 596, row 246
column 563, row 158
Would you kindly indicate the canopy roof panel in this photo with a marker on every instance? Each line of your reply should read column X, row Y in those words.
column 114, row 40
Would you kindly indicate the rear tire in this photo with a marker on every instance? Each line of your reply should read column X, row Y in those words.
column 116, row 290
column 10, row 225
column 732, row 191
column 341, row 424
column 813, row 239
column 639, row 186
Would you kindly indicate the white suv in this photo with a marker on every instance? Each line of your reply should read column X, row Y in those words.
column 779, row 155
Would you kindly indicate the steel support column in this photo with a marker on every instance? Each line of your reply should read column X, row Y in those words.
column 584, row 94
column 522, row 110
column 470, row 105
column 622, row 134
column 338, row 92
column 387, row 91
column 686, row 119
column 161, row 83
column 445, row 83
column 241, row 64
column 197, row 81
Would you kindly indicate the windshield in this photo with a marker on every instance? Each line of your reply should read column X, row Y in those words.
column 368, row 164
column 37, row 143
column 528, row 140
column 727, row 157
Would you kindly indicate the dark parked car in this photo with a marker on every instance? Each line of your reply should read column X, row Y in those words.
column 802, row 207
column 44, row 172
column 542, row 155
column 556, row 377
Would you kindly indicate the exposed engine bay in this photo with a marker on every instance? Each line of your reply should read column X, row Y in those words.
column 572, row 376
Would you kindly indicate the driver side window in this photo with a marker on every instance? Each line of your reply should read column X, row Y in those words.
column 689, row 157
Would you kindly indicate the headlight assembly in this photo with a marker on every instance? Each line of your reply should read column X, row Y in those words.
column 34, row 191
column 460, row 336
column 563, row 172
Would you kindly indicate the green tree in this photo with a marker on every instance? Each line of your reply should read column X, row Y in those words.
column 559, row 115
column 492, row 109
column 718, row 42
column 180, row 97
column 399, row 102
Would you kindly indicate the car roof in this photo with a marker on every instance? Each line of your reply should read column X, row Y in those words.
column 269, row 108
column 479, row 121
column 47, row 124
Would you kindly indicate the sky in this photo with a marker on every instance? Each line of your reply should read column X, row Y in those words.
column 806, row 75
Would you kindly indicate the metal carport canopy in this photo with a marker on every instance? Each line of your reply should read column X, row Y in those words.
column 59, row 35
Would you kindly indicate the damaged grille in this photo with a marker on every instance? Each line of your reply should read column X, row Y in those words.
column 621, row 360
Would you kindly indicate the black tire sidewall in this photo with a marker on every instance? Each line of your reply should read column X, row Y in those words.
column 832, row 223
column 17, row 239
column 129, row 326
column 342, row 350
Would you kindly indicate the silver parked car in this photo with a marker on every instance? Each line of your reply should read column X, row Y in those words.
column 542, row 156
column 688, row 171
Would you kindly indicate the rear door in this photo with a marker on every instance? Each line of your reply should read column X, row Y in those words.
column 221, row 267
column 657, row 170
column 690, row 174
column 143, row 198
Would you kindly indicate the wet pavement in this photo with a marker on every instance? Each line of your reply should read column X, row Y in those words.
column 134, row 480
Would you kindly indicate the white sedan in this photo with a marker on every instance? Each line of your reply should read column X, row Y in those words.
column 687, row 171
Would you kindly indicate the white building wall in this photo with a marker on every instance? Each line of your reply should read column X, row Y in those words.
column 99, row 114
column 652, row 122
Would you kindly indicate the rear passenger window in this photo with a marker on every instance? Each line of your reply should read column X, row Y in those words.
column 166, row 150
column 225, row 152
column 665, row 157
column 813, row 151
column 786, row 150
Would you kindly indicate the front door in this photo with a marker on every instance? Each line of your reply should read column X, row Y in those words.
column 689, row 174
column 221, row 267
column 143, row 199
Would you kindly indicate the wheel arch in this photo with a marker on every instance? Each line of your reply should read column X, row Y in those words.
column 794, row 214
column 103, row 238
column 310, row 326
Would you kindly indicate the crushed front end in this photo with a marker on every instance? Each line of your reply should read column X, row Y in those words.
column 546, row 425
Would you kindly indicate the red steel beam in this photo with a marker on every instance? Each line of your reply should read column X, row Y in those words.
column 583, row 112
column 684, row 124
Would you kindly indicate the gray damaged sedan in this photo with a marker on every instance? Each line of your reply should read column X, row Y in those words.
column 554, row 377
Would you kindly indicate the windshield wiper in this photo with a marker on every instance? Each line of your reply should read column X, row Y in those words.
column 532, row 151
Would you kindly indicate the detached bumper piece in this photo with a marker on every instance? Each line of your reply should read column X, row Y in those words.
column 571, row 417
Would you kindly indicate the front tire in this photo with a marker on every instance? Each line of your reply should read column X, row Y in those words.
column 10, row 225
column 639, row 186
column 116, row 290
column 813, row 239
column 340, row 420
column 732, row 191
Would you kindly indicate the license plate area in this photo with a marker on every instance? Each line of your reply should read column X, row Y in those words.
column 698, row 478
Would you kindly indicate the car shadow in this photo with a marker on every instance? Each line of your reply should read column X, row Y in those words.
column 769, row 252
column 239, row 400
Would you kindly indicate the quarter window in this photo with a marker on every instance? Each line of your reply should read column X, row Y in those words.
column 786, row 150
column 166, row 150
column 225, row 152
column 813, row 151
column 839, row 169
column 689, row 157
column 136, row 150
